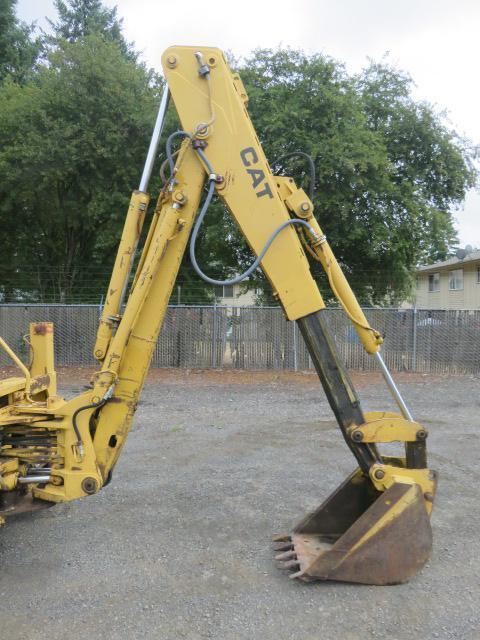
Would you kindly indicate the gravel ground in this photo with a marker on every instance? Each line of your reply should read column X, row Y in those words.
column 178, row 545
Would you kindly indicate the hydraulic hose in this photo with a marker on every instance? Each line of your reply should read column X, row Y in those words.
column 255, row 264
column 311, row 166
column 92, row 405
column 168, row 147
column 206, row 204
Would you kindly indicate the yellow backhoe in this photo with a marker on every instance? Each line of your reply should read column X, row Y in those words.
column 375, row 528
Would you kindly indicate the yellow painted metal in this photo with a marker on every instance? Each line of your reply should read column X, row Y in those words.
column 119, row 279
column 81, row 462
column 249, row 188
column 153, row 225
column 9, row 470
column 128, row 356
column 370, row 338
column 381, row 426
column 69, row 469
column 11, row 354
column 298, row 203
column 39, row 384
column 42, row 367
column 384, row 476
column 131, row 349
column 11, row 385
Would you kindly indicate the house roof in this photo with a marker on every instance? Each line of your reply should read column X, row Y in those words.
column 451, row 262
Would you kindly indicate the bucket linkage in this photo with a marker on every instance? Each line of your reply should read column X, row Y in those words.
column 375, row 527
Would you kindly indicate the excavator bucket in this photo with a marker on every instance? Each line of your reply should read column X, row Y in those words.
column 360, row 535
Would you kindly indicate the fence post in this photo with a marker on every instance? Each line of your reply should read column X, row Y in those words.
column 414, row 351
column 295, row 344
column 214, row 337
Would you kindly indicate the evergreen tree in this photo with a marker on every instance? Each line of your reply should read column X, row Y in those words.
column 18, row 48
column 80, row 18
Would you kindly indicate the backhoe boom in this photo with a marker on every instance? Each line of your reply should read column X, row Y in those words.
column 384, row 505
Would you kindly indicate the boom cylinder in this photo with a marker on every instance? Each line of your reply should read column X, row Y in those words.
column 129, row 242
column 121, row 271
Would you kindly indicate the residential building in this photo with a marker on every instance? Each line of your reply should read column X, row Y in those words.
column 234, row 295
column 451, row 284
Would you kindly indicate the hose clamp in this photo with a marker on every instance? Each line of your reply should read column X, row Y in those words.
column 109, row 392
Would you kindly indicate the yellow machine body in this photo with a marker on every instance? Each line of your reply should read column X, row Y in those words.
column 52, row 450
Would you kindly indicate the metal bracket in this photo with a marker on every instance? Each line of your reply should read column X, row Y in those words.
column 383, row 426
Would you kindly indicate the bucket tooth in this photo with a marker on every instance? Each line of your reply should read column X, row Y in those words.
column 296, row 575
column 283, row 546
column 362, row 535
column 282, row 537
column 291, row 565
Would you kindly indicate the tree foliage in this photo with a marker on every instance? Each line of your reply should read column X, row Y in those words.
column 75, row 128
column 388, row 171
column 18, row 49
column 74, row 137
column 80, row 18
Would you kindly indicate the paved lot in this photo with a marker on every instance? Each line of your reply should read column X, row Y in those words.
column 178, row 545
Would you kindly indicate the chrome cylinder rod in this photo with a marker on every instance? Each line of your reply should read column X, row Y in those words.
column 393, row 388
column 145, row 179
column 152, row 149
column 30, row 479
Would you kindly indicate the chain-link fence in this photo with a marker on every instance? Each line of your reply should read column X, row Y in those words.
column 260, row 337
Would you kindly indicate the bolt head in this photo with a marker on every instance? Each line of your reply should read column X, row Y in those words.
column 379, row 474
column 305, row 206
column 172, row 62
column 357, row 436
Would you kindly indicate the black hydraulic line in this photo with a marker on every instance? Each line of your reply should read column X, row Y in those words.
column 311, row 166
column 336, row 383
column 210, row 193
column 92, row 405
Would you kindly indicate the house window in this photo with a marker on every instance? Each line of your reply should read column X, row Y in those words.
column 225, row 291
column 228, row 291
column 434, row 282
column 455, row 280
column 478, row 275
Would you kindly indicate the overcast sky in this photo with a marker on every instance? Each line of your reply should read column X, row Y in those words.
column 436, row 41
